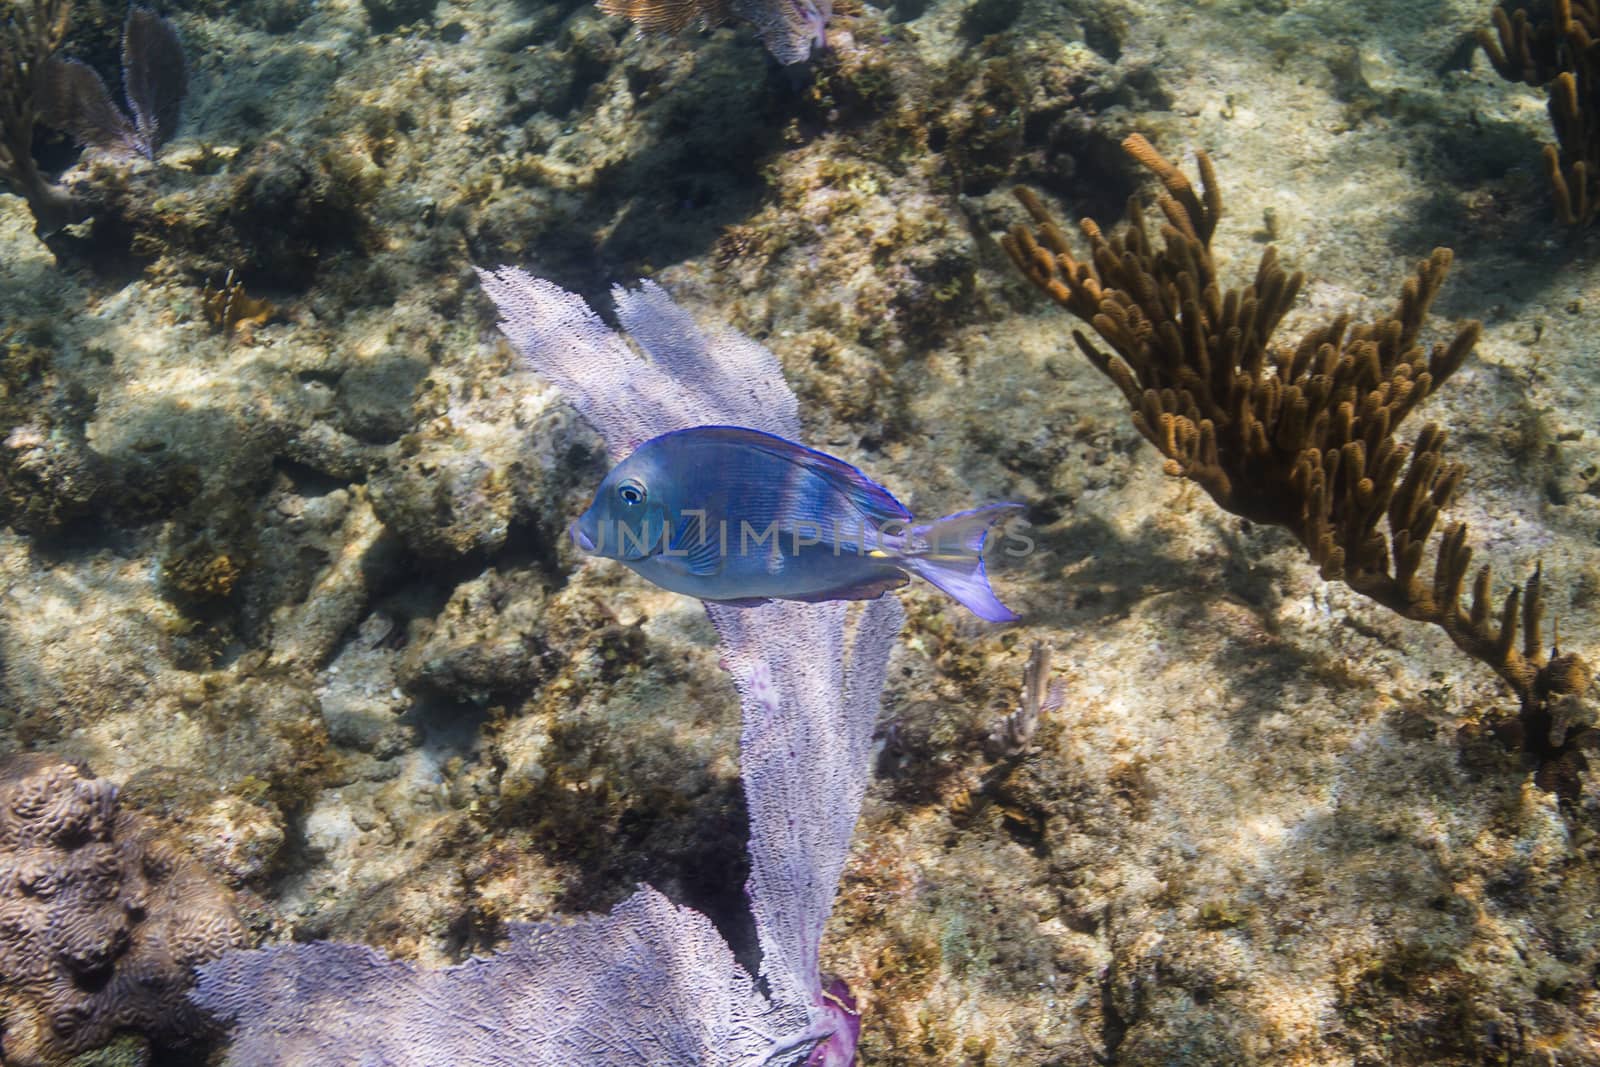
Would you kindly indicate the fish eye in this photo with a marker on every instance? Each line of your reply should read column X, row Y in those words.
column 631, row 492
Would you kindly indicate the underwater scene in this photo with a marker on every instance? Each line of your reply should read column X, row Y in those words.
column 760, row 533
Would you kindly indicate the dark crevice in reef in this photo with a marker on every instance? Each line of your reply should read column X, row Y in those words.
column 1113, row 1027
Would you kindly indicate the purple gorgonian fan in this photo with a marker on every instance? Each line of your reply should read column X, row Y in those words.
column 651, row 983
column 155, row 80
column 679, row 377
column 804, row 751
column 810, row 695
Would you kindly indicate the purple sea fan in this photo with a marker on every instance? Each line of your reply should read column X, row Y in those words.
column 155, row 78
column 155, row 81
column 680, row 377
column 787, row 27
column 650, row 983
column 810, row 693
column 808, row 685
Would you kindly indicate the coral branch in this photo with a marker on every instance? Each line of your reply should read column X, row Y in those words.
column 30, row 32
column 1557, row 49
column 1301, row 437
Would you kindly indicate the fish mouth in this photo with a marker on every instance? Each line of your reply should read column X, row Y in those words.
column 580, row 538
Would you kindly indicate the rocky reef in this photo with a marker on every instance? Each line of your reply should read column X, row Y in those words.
column 284, row 555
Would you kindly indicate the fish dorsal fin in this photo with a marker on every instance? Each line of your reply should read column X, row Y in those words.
column 875, row 503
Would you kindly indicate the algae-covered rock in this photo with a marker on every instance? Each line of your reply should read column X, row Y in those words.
column 476, row 470
column 239, row 835
column 387, row 15
column 445, row 502
column 488, row 642
column 360, row 696
column 624, row 745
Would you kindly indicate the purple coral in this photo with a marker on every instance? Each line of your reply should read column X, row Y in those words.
column 680, row 376
column 788, row 28
column 810, row 698
column 809, row 685
column 650, row 983
column 155, row 81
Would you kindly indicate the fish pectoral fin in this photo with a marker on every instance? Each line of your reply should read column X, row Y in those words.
column 705, row 559
column 690, row 552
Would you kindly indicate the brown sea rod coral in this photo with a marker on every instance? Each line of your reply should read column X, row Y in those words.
column 1526, row 43
column 1554, row 45
column 101, row 921
column 1302, row 436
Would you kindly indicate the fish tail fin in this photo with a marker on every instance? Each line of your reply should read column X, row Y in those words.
column 948, row 553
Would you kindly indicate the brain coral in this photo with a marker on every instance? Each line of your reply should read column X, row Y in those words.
column 101, row 921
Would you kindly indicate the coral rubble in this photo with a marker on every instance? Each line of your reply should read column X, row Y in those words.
column 101, row 920
column 1301, row 436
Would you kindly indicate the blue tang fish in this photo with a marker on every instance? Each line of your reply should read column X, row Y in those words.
column 735, row 515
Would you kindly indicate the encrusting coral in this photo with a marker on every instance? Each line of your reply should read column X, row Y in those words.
column 1303, row 436
column 101, row 921
column 1557, row 50
column 30, row 33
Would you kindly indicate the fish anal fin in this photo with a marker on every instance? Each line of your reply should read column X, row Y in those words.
column 870, row 590
column 743, row 602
